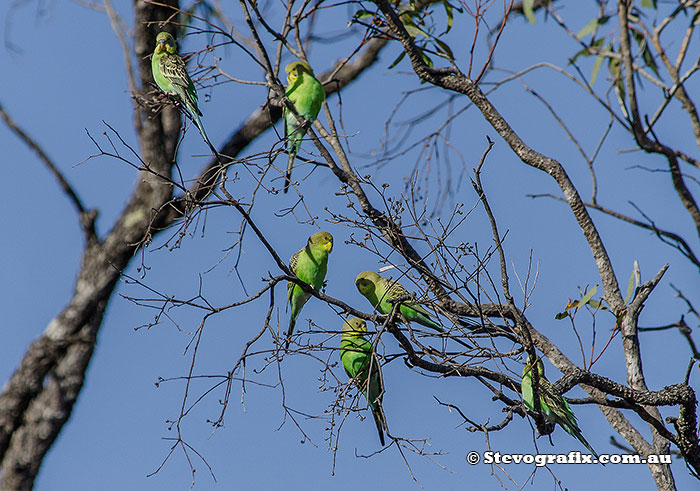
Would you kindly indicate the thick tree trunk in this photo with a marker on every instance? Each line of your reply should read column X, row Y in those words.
column 38, row 399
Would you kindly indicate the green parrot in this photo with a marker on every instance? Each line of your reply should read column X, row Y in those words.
column 171, row 76
column 309, row 265
column 359, row 359
column 307, row 95
column 379, row 291
column 554, row 407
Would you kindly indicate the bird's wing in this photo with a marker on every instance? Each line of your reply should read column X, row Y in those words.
column 173, row 68
column 396, row 290
column 293, row 262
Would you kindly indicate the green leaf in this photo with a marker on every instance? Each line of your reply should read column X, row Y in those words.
column 561, row 315
column 597, row 305
column 408, row 15
column 528, row 10
column 630, row 287
column 593, row 25
column 583, row 52
column 428, row 61
column 587, row 29
column 362, row 14
column 597, row 64
column 596, row 67
column 650, row 61
column 614, row 67
column 397, row 60
column 359, row 15
column 415, row 31
column 587, row 297
column 444, row 48
column 586, row 51
column 648, row 58
column 450, row 15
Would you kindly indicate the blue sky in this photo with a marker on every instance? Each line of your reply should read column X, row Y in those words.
column 59, row 82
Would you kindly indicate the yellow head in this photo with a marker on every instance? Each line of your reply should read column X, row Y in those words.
column 323, row 240
column 529, row 363
column 366, row 282
column 295, row 70
column 165, row 43
column 354, row 326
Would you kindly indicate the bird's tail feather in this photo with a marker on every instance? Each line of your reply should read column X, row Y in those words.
column 428, row 322
column 580, row 438
column 292, row 323
column 200, row 127
column 194, row 115
column 380, row 421
column 290, row 164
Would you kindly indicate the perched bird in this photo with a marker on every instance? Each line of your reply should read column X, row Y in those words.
column 171, row 76
column 379, row 291
column 553, row 406
column 361, row 363
column 309, row 265
column 307, row 95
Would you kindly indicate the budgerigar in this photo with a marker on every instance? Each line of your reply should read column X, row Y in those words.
column 359, row 360
column 553, row 406
column 379, row 291
column 170, row 74
column 307, row 95
column 309, row 265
